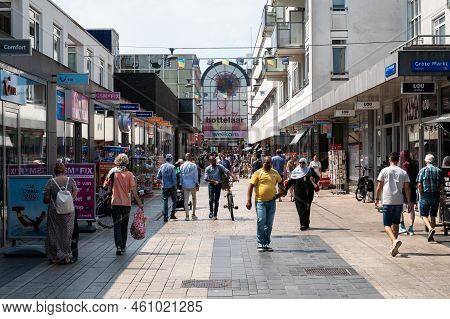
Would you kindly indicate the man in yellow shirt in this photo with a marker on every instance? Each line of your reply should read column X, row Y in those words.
column 264, row 181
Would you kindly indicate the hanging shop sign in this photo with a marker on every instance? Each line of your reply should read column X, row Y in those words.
column 344, row 113
column 76, row 106
column 130, row 107
column 13, row 88
column 15, row 47
column 390, row 70
column 84, row 176
column 165, row 123
column 322, row 121
column 430, row 66
column 374, row 105
column 107, row 96
column 308, row 125
column 28, row 169
column 155, row 119
column 143, row 114
column 125, row 123
column 418, row 88
column 72, row 79
column 27, row 213
column 60, row 105
column 98, row 107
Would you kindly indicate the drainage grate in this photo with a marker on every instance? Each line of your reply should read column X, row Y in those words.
column 206, row 284
column 326, row 272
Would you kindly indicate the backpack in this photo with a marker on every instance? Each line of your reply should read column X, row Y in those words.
column 64, row 200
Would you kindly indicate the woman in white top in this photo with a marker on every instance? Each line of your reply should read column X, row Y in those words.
column 316, row 165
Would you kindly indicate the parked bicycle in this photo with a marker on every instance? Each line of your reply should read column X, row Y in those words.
column 230, row 198
column 365, row 185
column 103, row 210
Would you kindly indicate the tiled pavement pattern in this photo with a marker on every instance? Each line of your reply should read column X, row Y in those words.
column 345, row 234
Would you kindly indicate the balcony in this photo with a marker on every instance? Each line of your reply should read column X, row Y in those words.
column 289, row 3
column 274, row 69
column 269, row 19
column 288, row 38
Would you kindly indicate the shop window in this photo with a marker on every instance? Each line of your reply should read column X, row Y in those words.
column 445, row 92
column 57, row 33
column 84, row 143
column 429, row 105
column 387, row 114
column 61, row 154
column 35, row 32
column 413, row 140
column 5, row 18
column 412, row 108
column 430, row 140
column 397, row 112
column 69, row 143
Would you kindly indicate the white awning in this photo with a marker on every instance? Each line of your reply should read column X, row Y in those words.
column 248, row 149
column 442, row 119
column 298, row 137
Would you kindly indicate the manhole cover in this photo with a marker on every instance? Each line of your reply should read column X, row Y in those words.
column 328, row 272
column 206, row 284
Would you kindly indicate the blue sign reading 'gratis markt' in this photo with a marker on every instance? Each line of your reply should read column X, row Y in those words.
column 72, row 79
column 430, row 66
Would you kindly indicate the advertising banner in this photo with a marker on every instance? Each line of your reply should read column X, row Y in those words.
column 72, row 79
column 27, row 213
column 60, row 105
column 84, row 176
column 13, row 88
column 77, row 107
column 107, row 96
column 28, row 169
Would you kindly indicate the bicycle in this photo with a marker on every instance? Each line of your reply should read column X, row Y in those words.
column 230, row 198
column 103, row 210
column 365, row 185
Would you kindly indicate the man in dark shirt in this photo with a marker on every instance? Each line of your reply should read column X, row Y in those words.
column 224, row 162
column 257, row 165
column 279, row 163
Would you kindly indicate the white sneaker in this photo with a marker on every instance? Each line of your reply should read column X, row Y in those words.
column 395, row 246
column 187, row 218
column 194, row 217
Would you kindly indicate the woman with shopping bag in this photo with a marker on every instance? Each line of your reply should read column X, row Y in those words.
column 121, row 183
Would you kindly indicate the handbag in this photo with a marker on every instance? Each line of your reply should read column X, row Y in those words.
column 137, row 229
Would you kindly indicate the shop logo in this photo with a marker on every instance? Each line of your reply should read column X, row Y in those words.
column 8, row 89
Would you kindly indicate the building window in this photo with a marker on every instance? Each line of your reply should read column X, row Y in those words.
column 5, row 18
column 298, row 79
column 89, row 64
column 284, row 93
column 57, row 44
column 338, row 5
column 72, row 58
column 35, row 23
column 339, row 57
column 102, row 73
column 413, row 18
column 439, row 30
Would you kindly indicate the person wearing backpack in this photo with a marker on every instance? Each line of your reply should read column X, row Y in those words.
column 59, row 194
column 121, row 182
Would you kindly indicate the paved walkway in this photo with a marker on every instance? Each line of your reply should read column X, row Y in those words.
column 344, row 255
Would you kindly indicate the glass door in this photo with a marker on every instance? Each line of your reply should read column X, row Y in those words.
column 9, row 155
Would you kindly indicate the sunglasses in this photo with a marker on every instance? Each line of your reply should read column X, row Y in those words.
column 302, row 163
column 267, row 162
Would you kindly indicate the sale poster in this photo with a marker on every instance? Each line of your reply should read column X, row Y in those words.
column 27, row 212
column 84, row 176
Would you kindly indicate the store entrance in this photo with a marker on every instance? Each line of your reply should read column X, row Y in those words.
column 9, row 154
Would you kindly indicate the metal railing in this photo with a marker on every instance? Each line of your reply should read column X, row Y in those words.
column 424, row 40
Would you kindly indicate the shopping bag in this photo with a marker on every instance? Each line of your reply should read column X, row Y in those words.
column 138, row 226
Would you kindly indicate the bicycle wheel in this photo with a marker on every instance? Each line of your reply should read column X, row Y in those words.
column 360, row 193
column 104, row 216
column 231, row 205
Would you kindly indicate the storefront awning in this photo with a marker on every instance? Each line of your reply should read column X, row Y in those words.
column 442, row 119
column 298, row 137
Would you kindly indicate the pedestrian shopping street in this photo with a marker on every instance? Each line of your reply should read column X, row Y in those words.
column 220, row 257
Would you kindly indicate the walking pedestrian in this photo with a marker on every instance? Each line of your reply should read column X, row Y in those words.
column 412, row 168
column 279, row 162
column 316, row 165
column 168, row 177
column 290, row 166
column 430, row 183
column 257, row 164
column 121, row 182
column 214, row 174
column 225, row 162
column 190, row 184
column 264, row 181
column 393, row 182
column 60, row 225
column 304, row 179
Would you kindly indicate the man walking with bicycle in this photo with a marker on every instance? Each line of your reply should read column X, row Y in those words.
column 264, row 181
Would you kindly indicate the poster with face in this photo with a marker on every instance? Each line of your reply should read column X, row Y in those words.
column 224, row 102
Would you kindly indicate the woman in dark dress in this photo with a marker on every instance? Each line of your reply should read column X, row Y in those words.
column 305, row 181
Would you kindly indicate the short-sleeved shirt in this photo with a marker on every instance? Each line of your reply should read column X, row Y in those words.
column 394, row 179
column 215, row 173
column 257, row 165
column 278, row 164
column 123, row 182
column 226, row 163
column 431, row 179
column 265, row 184
column 167, row 174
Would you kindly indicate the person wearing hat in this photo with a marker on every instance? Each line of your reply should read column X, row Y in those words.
column 430, row 184
column 168, row 177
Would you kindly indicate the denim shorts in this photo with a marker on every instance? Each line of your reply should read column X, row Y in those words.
column 429, row 204
column 392, row 214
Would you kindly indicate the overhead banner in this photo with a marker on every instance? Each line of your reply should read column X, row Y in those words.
column 76, row 106
column 84, row 176
column 13, row 88
column 225, row 107
column 27, row 213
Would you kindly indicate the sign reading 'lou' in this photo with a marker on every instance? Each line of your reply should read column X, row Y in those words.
column 418, row 88
column 375, row 105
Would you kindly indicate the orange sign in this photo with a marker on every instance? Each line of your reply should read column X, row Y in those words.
column 165, row 123
column 155, row 119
